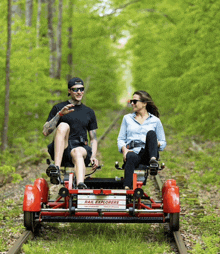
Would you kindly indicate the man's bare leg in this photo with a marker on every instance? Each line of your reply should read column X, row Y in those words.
column 60, row 142
column 78, row 155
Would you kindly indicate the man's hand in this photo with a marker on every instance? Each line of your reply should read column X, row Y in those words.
column 66, row 110
column 94, row 163
column 94, row 145
column 51, row 125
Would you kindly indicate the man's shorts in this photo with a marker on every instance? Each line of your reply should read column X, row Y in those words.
column 67, row 159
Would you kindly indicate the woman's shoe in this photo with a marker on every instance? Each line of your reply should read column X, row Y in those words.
column 154, row 166
column 153, row 162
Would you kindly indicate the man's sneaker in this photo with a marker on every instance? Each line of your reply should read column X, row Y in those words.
column 82, row 186
column 51, row 166
column 54, row 173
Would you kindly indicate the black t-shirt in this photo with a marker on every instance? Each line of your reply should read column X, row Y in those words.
column 81, row 120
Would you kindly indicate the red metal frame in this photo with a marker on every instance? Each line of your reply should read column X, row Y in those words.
column 36, row 195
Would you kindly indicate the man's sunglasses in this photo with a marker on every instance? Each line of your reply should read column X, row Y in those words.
column 134, row 101
column 75, row 90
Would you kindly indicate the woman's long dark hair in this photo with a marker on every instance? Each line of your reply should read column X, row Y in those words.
column 151, row 107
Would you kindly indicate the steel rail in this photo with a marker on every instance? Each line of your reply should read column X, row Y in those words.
column 177, row 236
column 179, row 242
column 21, row 240
column 159, row 182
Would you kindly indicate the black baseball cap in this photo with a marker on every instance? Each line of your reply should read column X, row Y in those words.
column 74, row 81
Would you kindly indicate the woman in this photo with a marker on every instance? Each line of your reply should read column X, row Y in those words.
column 141, row 136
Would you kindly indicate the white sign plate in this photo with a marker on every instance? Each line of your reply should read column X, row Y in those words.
column 101, row 201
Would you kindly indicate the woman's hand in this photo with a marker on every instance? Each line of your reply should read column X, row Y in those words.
column 158, row 144
column 124, row 152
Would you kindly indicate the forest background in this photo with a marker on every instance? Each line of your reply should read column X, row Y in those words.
column 172, row 51
column 169, row 48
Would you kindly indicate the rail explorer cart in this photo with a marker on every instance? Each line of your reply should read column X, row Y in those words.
column 104, row 200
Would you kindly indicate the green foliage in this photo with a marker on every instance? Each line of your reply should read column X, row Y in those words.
column 32, row 92
column 176, row 61
column 6, row 169
column 16, row 178
column 210, row 245
column 95, row 60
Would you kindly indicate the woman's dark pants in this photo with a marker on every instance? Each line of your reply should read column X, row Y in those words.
column 144, row 156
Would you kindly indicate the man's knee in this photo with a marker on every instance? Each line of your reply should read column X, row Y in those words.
column 63, row 128
column 78, row 152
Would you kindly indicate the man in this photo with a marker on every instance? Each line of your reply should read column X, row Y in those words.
column 73, row 120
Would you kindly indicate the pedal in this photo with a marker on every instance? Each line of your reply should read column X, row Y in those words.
column 154, row 168
column 55, row 176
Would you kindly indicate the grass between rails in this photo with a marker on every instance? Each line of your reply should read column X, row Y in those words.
column 97, row 238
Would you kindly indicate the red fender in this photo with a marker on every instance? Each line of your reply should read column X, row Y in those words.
column 32, row 199
column 43, row 187
column 171, row 199
column 169, row 183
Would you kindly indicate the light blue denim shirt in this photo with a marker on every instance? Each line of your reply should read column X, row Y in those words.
column 133, row 130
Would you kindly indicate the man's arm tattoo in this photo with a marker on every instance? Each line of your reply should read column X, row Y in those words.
column 51, row 125
column 93, row 134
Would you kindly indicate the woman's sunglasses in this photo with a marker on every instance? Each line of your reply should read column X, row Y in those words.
column 134, row 101
column 75, row 90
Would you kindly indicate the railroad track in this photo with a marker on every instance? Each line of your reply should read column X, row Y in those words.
column 22, row 239
column 177, row 236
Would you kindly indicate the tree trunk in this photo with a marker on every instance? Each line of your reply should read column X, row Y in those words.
column 59, row 41
column 52, row 44
column 29, row 12
column 7, row 84
column 38, row 23
column 70, row 41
